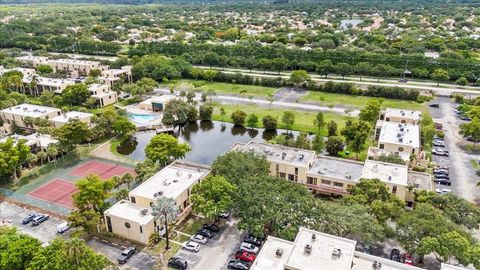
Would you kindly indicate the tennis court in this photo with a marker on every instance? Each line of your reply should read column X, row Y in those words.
column 56, row 191
column 102, row 169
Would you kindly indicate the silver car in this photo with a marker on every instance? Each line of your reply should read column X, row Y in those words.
column 199, row 239
column 192, row 246
column 249, row 248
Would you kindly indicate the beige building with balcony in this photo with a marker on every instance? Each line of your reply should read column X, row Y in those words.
column 64, row 118
column 75, row 67
column 401, row 116
column 397, row 137
column 33, row 61
column 112, row 76
column 17, row 114
column 103, row 94
column 47, row 84
column 133, row 220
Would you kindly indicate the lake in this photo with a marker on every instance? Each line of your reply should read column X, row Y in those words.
column 206, row 138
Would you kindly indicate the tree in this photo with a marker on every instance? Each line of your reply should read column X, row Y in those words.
column 317, row 143
column 238, row 117
column 212, row 196
column 446, row 246
column 196, row 72
column 334, row 145
column 121, row 194
column 178, row 112
column 210, row 75
column 269, row 122
column 31, row 159
column 319, row 121
column 75, row 94
column 371, row 111
column 92, row 193
column 16, row 249
column 302, row 141
column 471, row 129
column 42, row 155
column 344, row 69
column 44, row 70
column 462, row 81
column 356, row 135
column 95, row 72
column 394, row 158
column 123, row 126
column 12, row 156
column 440, row 75
column 298, row 77
column 252, row 120
column 235, row 166
column 145, row 169
column 165, row 209
column 205, row 112
column 222, row 112
column 127, row 178
column 72, row 133
column 362, row 68
column 190, row 96
column 332, row 128
column 288, row 119
column 164, row 148
column 52, row 152
column 325, row 67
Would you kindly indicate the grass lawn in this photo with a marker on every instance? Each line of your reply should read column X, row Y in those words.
column 225, row 88
column 303, row 119
column 323, row 98
column 361, row 156
column 192, row 225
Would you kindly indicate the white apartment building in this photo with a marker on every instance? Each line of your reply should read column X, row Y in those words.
column 47, row 84
column 397, row 137
column 33, row 61
column 35, row 141
column 17, row 114
column 26, row 72
column 401, row 116
column 64, row 118
column 103, row 94
column 112, row 76
column 75, row 67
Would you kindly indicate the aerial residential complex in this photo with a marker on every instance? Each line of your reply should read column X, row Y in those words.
column 133, row 219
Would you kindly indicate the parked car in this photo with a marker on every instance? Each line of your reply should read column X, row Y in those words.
column 439, row 152
column 403, row 80
column 199, row 239
column 458, row 111
column 238, row 265
column 249, row 248
column 441, row 170
column 434, row 105
column 63, row 227
column 395, row 255
column 445, row 182
column 224, row 215
column 442, row 191
column 439, row 143
column 29, row 218
column 471, row 139
column 126, row 254
column 192, row 246
column 39, row 219
column 205, row 232
column 252, row 240
column 211, row 227
column 177, row 263
column 245, row 256
column 407, row 258
column 465, row 118
column 259, row 237
column 441, row 176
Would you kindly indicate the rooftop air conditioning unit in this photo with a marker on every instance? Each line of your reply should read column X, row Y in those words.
column 175, row 180
column 144, row 211
column 376, row 265
column 279, row 252
column 314, row 236
column 336, row 252
column 308, row 249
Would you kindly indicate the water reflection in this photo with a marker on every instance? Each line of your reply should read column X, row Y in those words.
column 206, row 138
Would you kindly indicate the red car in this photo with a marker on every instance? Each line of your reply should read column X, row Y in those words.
column 407, row 258
column 245, row 256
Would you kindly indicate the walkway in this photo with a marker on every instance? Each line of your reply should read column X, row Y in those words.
column 103, row 151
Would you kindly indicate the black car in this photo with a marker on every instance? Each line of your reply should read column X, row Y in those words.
column 441, row 181
column 252, row 240
column 441, row 176
column 211, row 227
column 434, row 105
column 205, row 232
column 177, row 263
column 394, row 254
column 29, row 218
column 39, row 219
column 126, row 254
column 259, row 237
column 237, row 264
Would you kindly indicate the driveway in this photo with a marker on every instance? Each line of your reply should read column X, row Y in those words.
column 139, row 260
column 464, row 180
column 217, row 252
column 13, row 215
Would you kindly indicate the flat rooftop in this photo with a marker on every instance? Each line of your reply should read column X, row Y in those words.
column 74, row 62
column 377, row 152
column 400, row 113
column 31, row 57
column 171, row 181
column 65, row 117
column 30, row 110
column 43, row 140
column 281, row 154
column 421, row 180
column 401, row 134
column 362, row 261
column 337, row 168
column 127, row 210
column 162, row 98
column 96, row 86
column 269, row 258
column 386, row 172
column 327, row 251
column 451, row 267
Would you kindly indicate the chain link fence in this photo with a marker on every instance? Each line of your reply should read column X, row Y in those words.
column 35, row 202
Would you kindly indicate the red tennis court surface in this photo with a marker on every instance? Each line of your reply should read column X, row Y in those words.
column 56, row 191
column 104, row 170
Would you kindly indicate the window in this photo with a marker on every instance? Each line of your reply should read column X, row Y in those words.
column 282, row 175
column 394, row 190
column 403, row 121
column 337, row 184
column 277, row 167
column 127, row 225
column 141, row 230
column 109, row 224
column 400, row 149
column 291, row 177
column 132, row 199
column 326, row 182
column 296, row 170
column 387, row 119
column 382, row 146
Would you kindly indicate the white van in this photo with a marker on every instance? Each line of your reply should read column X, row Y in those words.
column 63, row 227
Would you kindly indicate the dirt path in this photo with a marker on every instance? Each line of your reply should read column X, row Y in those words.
column 103, row 151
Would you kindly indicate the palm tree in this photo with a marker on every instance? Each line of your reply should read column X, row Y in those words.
column 42, row 155
column 117, row 181
column 74, row 249
column 154, row 238
column 127, row 179
column 164, row 209
column 33, row 85
column 122, row 194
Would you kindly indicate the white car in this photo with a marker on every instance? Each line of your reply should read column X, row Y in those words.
column 249, row 248
column 439, row 143
column 192, row 246
column 199, row 239
column 442, row 191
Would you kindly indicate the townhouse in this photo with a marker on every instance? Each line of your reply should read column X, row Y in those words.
column 75, row 67
column 36, row 141
column 17, row 114
column 103, row 94
column 64, row 118
column 133, row 219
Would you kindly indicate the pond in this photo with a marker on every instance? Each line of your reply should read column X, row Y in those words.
column 206, row 138
column 354, row 22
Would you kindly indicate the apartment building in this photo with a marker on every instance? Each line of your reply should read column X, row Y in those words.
column 64, row 118
column 17, row 114
column 47, row 84
column 156, row 103
column 313, row 250
column 35, row 141
column 334, row 176
column 33, row 61
column 133, row 220
column 401, row 116
column 75, row 67
column 25, row 71
column 112, row 76
column 103, row 94
column 398, row 137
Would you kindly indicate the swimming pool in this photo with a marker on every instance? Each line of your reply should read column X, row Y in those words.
column 142, row 118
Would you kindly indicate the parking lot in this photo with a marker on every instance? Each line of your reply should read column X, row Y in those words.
column 217, row 252
column 13, row 215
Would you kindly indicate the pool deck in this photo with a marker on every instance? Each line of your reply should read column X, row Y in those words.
column 155, row 123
